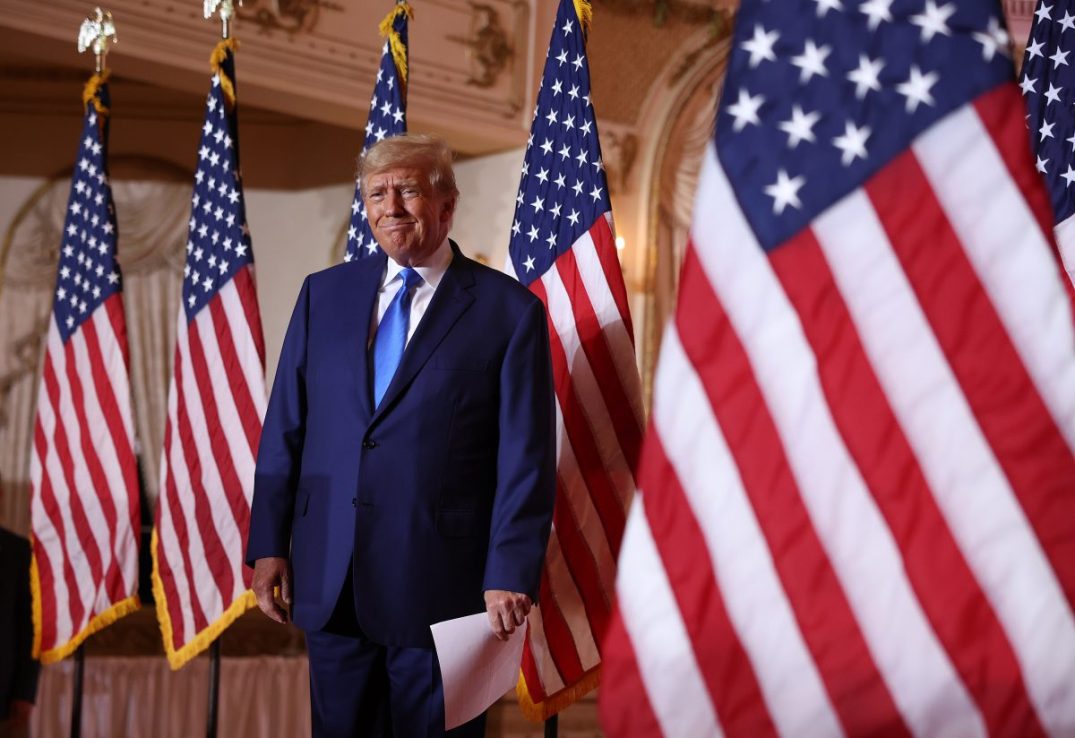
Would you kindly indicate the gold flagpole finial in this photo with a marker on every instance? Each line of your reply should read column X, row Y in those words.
column 227, row 12
column 97, row 32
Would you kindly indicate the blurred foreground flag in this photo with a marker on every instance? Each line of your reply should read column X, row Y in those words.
column 1048, row 85
column 564, row 250
column 857, row 494
column 387, row 118
column 216, row 400
column 83, row 472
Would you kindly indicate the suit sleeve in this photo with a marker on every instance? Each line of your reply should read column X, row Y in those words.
column 280, row 451
column 526, row 460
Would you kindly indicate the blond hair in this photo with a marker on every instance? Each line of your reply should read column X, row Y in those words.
column 428, row 153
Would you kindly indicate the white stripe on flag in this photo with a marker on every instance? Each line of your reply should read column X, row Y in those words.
column 612, row 324
column 221, row 519
column 1005, row 245
column 249, row 359
column 587, row 390
column 954, row 455
column 860, row 547
column 569, row 600
column 583, row 510
column 85, row 489
column 655, row 628
column 539, row 645
column 749, row 584
column 104, row 447
column 167, row 535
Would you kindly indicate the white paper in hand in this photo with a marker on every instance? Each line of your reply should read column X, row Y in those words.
column 475, row 667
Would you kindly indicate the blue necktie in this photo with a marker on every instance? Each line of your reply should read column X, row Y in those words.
column 391, row 336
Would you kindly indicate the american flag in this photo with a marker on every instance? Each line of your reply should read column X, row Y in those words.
column 83, row 472
column 1048, row 85
column 563, row 248
column 857, row 493
column 216, row 401
column 387, row 118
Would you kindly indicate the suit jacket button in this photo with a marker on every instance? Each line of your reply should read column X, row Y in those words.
column 369, row 444
column 354, row 502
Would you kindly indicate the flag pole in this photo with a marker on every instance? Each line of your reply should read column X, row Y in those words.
column 552, row 726
column 76, row 692
column 96, row 33
column 214, row 689
column 226, row 8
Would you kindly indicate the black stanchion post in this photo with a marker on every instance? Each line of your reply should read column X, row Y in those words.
column 552, row 726
column 214, row 688
column 76, row 693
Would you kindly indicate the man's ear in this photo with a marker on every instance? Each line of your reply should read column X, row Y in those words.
column 449, row 207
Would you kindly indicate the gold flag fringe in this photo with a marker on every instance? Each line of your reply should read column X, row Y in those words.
column 91, row 90
column 62, row 651
column 216, row 61
column 540, row 711
column 584, row 11
column 388, row 32
column 178, row 658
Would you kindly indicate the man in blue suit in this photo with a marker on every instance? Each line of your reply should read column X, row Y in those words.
column 406, row 472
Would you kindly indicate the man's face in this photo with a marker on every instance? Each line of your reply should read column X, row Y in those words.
column 408, row 217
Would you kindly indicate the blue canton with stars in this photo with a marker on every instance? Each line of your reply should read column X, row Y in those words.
column 820, row 94
column 1048, row 84
column 218, row 244
column 87, row 273
column 387, row 118
column 563, row 190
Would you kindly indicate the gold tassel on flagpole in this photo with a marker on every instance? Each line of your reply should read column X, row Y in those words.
column 216, row 61
column 93, row 86
column 584, row 11
column 388, row 32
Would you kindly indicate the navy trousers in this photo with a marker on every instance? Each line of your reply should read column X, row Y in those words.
column 359, row 688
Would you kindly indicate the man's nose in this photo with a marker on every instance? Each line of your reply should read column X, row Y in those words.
column 393, row 202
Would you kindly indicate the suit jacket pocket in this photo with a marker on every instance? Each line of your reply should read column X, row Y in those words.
column 457, row 523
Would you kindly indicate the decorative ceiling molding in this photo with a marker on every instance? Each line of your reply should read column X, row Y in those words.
column 325, row 72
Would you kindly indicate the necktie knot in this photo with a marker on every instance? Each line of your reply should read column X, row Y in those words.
column 410, row 277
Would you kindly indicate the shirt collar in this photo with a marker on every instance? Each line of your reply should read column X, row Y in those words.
column 431, row 272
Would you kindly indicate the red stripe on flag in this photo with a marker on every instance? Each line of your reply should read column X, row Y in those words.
column 624, row 706
column 182, row 536
column 1002, row 113
column 113, row 580
column 581, row 564
column 232, row 488
column 1019, row 428
column 534, row 687
column 47, row 592
column 579, row 435
column 106, row 394
column 52, row 511
column 605, row 243
column 724, row 664
column 240, row 391
column 957, row 609
column 216, row 556
column 828, row 625
column 558, row 636
column 246, row 288
column 595, row 346
column 63, row 453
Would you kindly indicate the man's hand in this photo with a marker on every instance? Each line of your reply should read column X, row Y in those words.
column 507, row 610
column 270, row 573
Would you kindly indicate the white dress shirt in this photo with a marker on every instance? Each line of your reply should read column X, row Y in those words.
column 431, row 273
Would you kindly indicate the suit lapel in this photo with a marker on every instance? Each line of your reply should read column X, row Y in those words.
column 358, row 304
column 449, row 302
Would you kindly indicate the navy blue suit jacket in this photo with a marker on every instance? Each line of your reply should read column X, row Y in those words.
column 443, row 491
